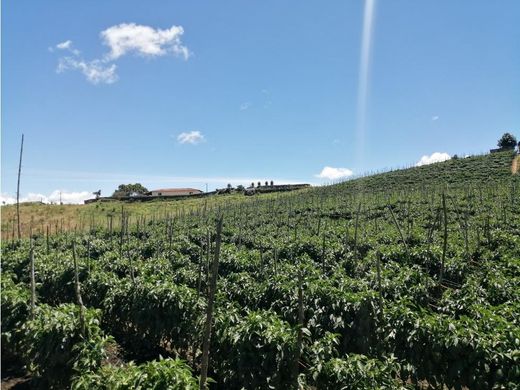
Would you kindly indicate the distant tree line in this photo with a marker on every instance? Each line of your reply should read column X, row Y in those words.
column 129, row 189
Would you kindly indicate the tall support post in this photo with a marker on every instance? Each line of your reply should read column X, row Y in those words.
column 18, row 191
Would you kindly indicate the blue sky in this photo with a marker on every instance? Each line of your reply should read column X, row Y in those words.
column 256, row 90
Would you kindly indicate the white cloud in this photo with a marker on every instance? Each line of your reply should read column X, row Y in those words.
column 245, row 106
column 435, row 117
column 53, row 197
column 69, row 197
column 434, row 158
column 331, row 173
column 7, row 199
column 64, row 45
column 143, row 40
column 192, row 137
column 95, row 71
column 123, row 39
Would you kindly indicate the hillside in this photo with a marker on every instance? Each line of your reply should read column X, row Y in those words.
column 455, row 173
column 67, row 217
column 487, row 168
column 403, row 285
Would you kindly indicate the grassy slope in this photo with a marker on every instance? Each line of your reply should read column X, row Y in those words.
column 76, row 215
column 475, row 170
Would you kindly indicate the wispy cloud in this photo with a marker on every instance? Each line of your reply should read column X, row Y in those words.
column 244, row 106
column 66, row 46
column 192, row 137
column 433, row 158
column 123, row 39
column 435, row 118
column 331, row 173
column 54, row 197
column 95, row 71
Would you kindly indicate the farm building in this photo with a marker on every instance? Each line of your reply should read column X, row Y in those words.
column 175, row 192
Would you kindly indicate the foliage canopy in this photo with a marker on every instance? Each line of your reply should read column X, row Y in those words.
column 129, row 190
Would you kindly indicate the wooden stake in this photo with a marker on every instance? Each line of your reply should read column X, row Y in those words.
column 78, row 290
column 445, row 237
column 47, row 239
column 356, row 229
column 209, row 312
column 18, row 191
column 33, row 281
column 299, row 340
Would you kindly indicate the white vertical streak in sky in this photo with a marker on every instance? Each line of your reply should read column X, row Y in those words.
column 363, row 82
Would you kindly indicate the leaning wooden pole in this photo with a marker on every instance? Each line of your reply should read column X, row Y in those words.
column 356, row 230
column 379, row 289
column 299, row 340
column 209, row 310
column 33, row 281
column 78, row 290
column 18, row 191
column 398, row 227
column 445, row 237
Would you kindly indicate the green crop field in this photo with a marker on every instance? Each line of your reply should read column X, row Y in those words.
column 405, row 279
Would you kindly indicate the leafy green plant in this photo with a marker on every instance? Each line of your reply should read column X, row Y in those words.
column 255, row 352
column 54, row 348
column 15, row 311
column 357, row 372
column 162, row 374
column 144, row 316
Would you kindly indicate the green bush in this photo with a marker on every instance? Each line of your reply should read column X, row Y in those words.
column 253, row 352
column 164, row 374
column 15, row 310
column 144, row 315
column 357, row 372
column 54, row 348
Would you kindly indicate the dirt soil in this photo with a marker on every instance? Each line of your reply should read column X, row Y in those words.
column 16, row 383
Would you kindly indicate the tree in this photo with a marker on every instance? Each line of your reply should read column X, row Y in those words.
column 129, row 189
column 240, row 187
column 508, row 141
